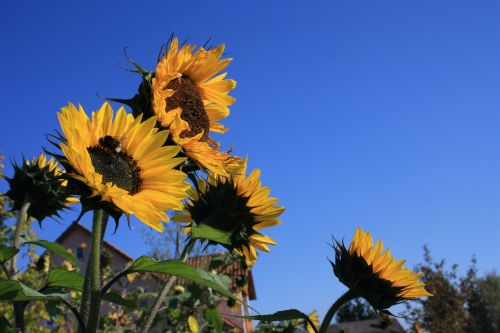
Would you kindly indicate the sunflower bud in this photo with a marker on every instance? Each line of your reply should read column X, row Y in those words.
column 40, row 183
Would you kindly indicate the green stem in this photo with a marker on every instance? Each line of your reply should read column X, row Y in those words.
column 85, row 304
column 148, row 321
column 349, row 295
column 91, row 297
column 21, row 222
column 19, row 315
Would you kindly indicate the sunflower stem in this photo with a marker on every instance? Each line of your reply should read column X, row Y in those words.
column 21, row 222
column 166, row 288
column 346, row 297
column 91, row 297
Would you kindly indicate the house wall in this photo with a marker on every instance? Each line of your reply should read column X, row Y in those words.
column 230, row 315
column 79, row 237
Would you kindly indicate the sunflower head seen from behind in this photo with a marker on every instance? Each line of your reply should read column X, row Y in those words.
column 238, row 206
column 374, row 274
column 121, row 164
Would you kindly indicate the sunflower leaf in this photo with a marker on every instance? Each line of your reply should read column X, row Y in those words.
column 62, row 278
column 117, row 299
column 55, row 248
column 7, row 252
column 280, row 316
column 204, row 231
column 182, row 270
column 17, row 291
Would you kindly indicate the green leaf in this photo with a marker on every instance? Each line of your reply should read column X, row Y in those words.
column 117, row 299
column 17, row 291
column 203, row 231
column 182, row 270
column 280, row 316
column 62, row 278
column 55, row 248
column 214, row 318
column 7, row 252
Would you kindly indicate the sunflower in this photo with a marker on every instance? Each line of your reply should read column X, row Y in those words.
column 237, row 205
column 40, row 183
column 123, row 162
column 189, row 97
column 375, row 275
column 314, row 317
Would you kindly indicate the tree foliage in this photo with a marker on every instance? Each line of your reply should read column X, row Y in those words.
column 355, row 310
column 464, row 303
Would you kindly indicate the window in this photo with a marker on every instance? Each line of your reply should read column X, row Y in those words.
column 79, row 253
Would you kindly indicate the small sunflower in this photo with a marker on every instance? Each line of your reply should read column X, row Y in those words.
column 237, row 205
column 189, row 97
column 122, row 162
column 375, row 275
column 314, row 317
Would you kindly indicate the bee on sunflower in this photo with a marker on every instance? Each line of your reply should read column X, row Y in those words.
column 121, row 165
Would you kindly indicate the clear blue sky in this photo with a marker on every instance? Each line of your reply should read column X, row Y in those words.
column 380, row 114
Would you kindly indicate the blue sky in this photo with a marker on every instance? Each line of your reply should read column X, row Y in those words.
column 380, row 114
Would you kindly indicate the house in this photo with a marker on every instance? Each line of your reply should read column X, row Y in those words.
column 78, row 238
column 386, row 325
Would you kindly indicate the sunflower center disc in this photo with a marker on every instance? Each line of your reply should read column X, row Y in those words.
column 116, row 167
column 193, row 112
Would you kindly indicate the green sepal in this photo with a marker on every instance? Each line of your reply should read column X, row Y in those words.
column 95, row 203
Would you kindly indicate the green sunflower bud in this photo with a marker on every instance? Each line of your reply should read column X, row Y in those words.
column 39, row 182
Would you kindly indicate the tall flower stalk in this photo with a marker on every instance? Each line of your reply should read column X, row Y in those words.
column 155, row 307
column 91, row 296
